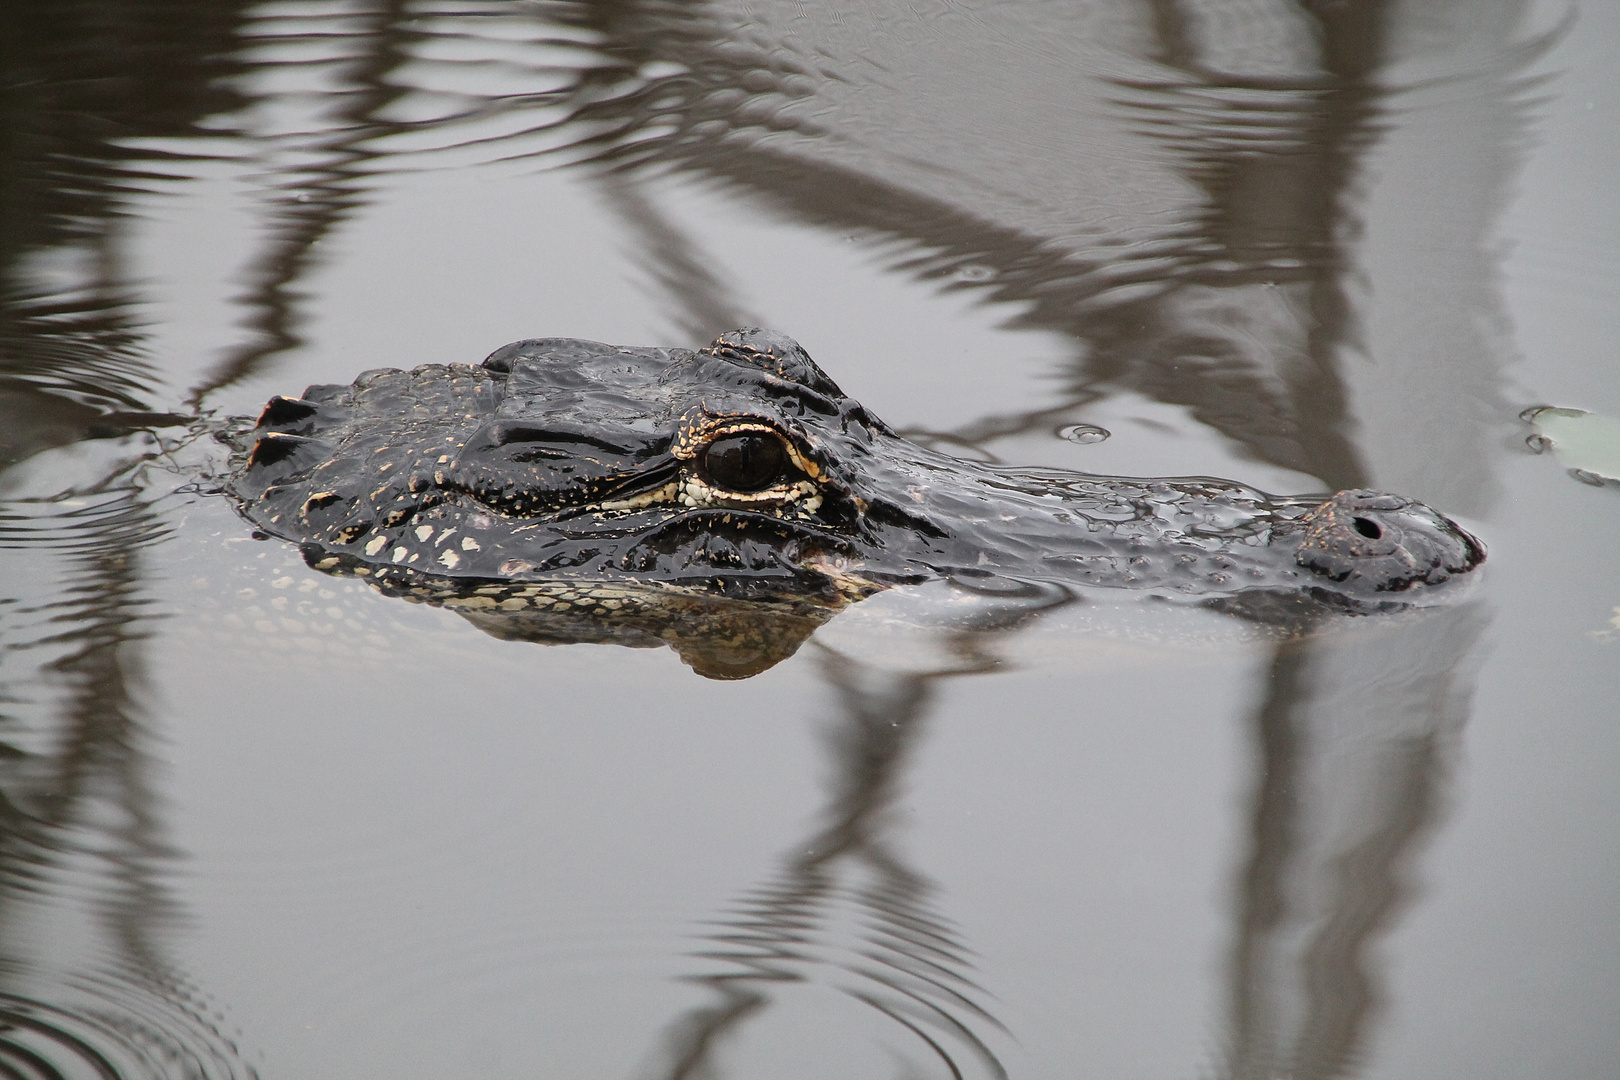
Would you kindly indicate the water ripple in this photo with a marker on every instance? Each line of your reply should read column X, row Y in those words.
column 113, row 1031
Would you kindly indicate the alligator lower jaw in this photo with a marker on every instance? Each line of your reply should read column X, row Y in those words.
column 824, row 582
column 847, row 579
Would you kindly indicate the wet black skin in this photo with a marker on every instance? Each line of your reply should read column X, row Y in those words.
column 742, row 471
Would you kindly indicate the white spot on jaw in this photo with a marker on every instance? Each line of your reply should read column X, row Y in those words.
column 423, row 532
column 376, row 544
column 399, row 554
column 469, row 544
column 450, row 559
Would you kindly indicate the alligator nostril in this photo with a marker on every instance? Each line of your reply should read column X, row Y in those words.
column 1368, row 528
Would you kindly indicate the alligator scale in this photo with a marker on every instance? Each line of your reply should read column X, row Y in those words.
column 573, row 476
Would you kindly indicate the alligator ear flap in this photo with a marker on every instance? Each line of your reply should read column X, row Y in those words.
column 776, row 353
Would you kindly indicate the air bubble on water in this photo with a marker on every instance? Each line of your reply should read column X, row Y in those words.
column 1084, row 434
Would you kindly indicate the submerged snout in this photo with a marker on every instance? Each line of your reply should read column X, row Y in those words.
column 1372, row 541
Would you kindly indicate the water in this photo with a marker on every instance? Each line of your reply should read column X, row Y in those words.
column 259, row 821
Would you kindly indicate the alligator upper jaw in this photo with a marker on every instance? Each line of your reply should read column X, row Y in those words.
column 1192, row 538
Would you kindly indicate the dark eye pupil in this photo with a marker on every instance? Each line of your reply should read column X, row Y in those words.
column 745, row 463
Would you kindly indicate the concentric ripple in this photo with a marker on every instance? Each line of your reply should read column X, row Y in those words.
column 114, row 1031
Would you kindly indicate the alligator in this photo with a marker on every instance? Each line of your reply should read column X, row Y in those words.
column 570, row 483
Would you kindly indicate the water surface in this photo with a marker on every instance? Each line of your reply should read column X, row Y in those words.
column 261, row 821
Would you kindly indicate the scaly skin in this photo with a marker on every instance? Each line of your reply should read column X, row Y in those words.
column 559, row 466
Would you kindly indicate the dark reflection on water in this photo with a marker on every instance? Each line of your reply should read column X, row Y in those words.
column 326, row 186
column 1353, row 740
column 704, row 306
column 81, row 80
column 1354, row 734
column 905, row 961
column 82, row 837
column 1244, row 309
column 81, row 826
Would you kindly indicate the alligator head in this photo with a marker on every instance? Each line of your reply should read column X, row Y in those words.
column 564, row 475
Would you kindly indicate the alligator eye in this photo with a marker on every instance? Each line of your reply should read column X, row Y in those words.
column 746, row 462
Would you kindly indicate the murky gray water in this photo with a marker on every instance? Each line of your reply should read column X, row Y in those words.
column 261, row 821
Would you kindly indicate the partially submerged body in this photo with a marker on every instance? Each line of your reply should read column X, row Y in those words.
column 569, row 480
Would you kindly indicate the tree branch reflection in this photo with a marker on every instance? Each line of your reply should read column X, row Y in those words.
column 897, row 954
column 1353, row 741
column 327, row 186
column 82, row 829
column 86, row 984
column 1353, row 736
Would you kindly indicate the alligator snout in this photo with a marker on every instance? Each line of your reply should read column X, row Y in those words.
column 1384, row 543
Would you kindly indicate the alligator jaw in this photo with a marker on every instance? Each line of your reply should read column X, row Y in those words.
column 1192, row 537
